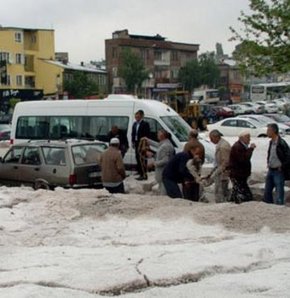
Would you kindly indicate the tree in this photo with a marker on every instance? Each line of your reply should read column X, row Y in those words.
column 80, row 86
column 132, row 70
column 190, row 75
column 264, row 41
column 209, row 70
column 197, row 72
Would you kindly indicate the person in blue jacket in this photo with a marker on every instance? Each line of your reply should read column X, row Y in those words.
column 176, row 172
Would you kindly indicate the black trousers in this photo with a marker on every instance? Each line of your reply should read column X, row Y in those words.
column 116, row 189
column 241, row 191
column 190, row 191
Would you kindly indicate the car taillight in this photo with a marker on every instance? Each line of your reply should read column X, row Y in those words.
column 72, row 179
column 11, row 141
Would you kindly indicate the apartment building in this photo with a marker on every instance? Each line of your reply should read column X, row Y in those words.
column 231, row 79
column 23, row 73
column 162, row 59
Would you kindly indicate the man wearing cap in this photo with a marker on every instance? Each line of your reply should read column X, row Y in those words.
column 113, row 170
column 278, row 160
column 220, row 173
column 240, row 168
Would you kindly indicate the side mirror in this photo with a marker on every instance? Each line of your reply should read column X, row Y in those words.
column 1, row 159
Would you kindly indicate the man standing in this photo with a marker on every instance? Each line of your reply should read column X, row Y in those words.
column 164, row 153
column 278, row 161
column 240, row 168
column 220, row 173
column 113, row 170
column 140, row 130
column 116, row 132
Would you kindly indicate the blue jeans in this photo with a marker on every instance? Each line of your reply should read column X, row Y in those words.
column 172, row 188
column 275, row 179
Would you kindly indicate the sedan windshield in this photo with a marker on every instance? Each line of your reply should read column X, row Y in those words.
column 178, row 127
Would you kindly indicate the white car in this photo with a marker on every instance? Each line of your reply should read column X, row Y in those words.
column 255, row 108
column 283, row 128
column 282, row 103
column 240, row 109
column 234, row 126
column 271, row 108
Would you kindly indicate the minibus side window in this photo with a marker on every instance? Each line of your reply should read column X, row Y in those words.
column 154, row 127
column 32, row 127
column 62, row 127
column 100, row 126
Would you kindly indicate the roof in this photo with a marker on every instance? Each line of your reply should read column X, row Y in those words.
column 279, row 84
column 155, row 37
column 24, row 29
column 71, row 66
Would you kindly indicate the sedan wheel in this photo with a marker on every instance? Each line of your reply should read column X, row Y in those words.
column 41, row 185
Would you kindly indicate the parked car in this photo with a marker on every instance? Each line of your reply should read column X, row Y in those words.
column 47, row 164
column 5, row 138
column 271, row 108
column 5, row 135
column 235, row 125
column 280, row 118
column 240, row 109
column 256, row 108
column 5, row 127
column 284, row 129
column 223, row 112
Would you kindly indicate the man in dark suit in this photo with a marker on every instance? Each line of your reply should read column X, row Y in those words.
column 140, row 130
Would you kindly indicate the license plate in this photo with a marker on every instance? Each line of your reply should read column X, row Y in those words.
column 93, row 174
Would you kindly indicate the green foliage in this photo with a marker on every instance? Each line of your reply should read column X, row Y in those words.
column 80, row 85
column 190, row 75
column 209, row 71
column 264, row 41
column 202, row 71
column 13, row 101
column 132, row 70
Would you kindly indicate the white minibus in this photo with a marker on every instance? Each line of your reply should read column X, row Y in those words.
column 93, row 119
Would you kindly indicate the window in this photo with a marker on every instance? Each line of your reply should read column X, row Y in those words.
column 13, row 155
column 246, row 124
column 18, row 36
column 54, row 156
column 32, row 127
column 99, row 126
column 9, row 81
column 87, row 153
column 178, row 127
column 174, row 56
column 232, row 123
column 19, row 80
column 63, row 127
column 19, row 58
column 154, row 127
column 31, row 156
column 158, row 55
column 115, row 71
column 4, row 56
column 114, row 53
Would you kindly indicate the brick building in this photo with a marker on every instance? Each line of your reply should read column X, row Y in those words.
column 231, row 79
column 162, row 59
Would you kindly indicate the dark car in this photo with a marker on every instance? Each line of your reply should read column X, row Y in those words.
column 47, row 164
column 223, row 112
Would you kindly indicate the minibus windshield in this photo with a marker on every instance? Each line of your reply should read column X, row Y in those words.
column 178, row 127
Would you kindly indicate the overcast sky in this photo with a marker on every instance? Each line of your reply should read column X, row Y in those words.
column 81, row 26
